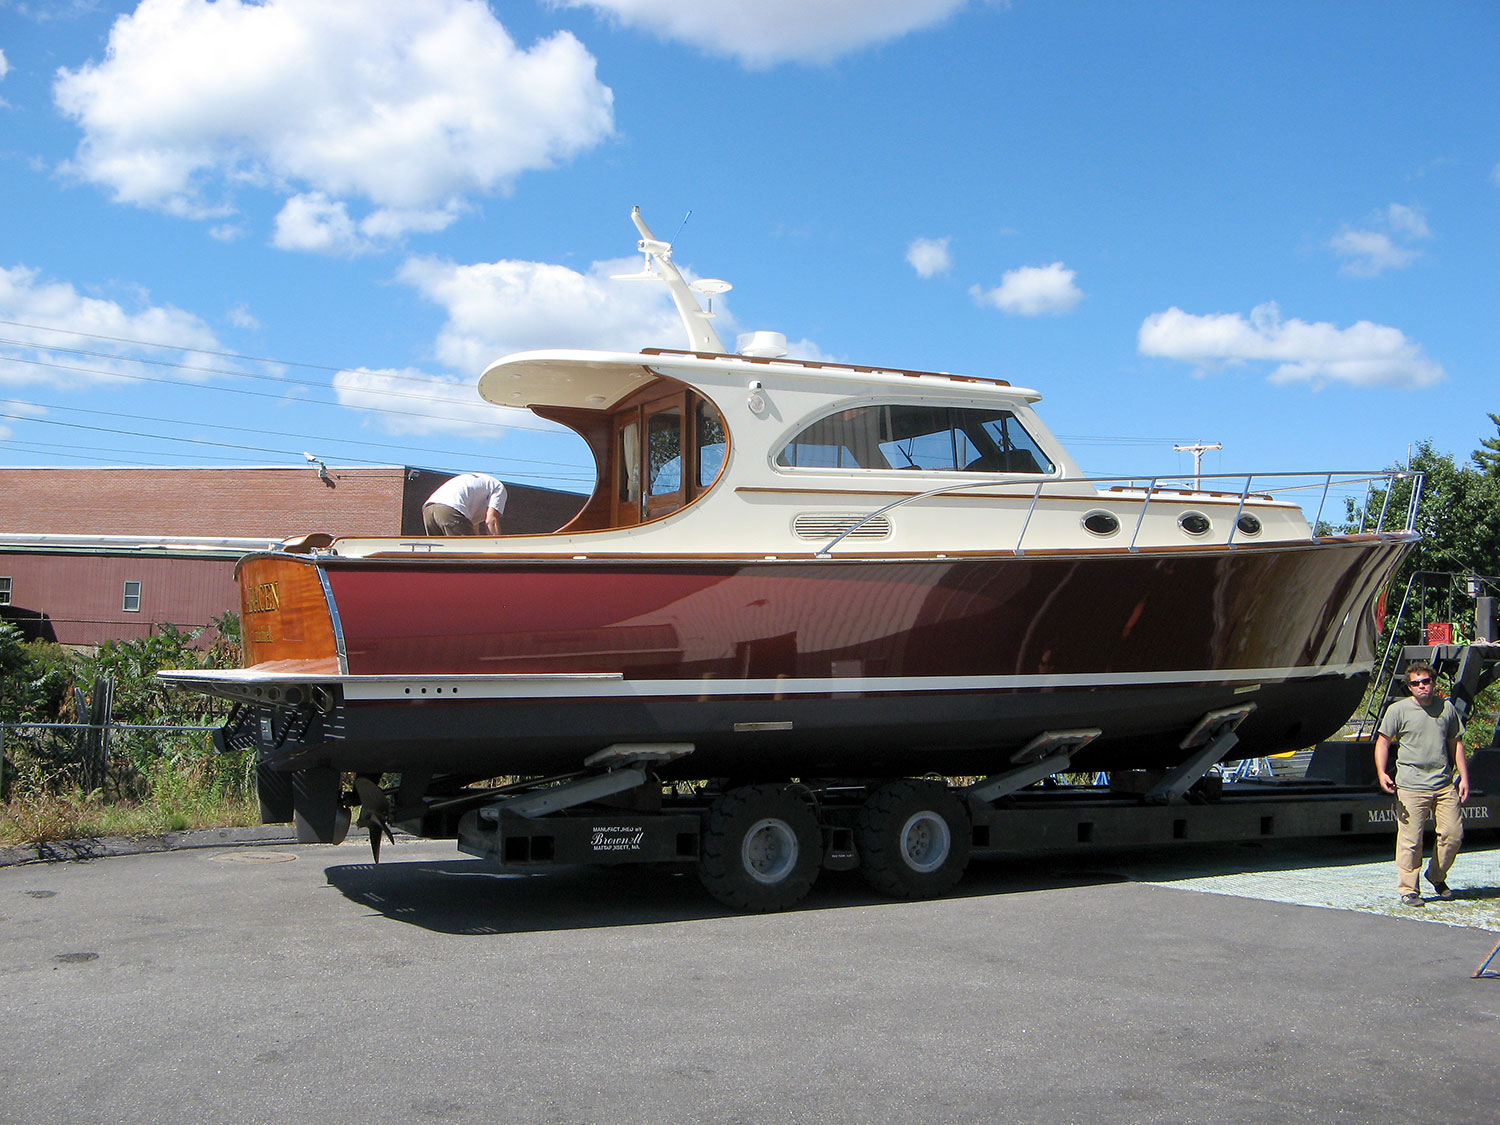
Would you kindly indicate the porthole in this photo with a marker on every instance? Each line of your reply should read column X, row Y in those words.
column 1248, row 524
column 1194, row 523
column 1101, row 523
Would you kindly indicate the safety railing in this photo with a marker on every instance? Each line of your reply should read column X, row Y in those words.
column 1368, row 487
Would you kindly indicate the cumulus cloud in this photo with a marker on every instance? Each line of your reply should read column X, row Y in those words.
column 495, row 308
column 1362, row 355
column 4, row 65
column 31, row 304
column 412, row 402
column 929, row 256
column 767, row 32
column 372, row 118
column 1032, row 291
column 1387, row 242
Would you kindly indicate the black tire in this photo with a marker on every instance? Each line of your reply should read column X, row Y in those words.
column 913, row 839
column 761, row 848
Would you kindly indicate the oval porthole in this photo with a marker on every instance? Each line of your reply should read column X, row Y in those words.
column 1100, row 523
column 1194, row 523
column 1248, row 524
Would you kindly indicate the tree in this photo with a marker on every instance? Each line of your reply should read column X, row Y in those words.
column 1487, row 456
column 1459, row 519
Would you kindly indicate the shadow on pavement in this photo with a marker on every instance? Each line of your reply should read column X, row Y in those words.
column 470, row 896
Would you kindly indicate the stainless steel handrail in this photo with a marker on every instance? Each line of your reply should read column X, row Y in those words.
column 1179, row 487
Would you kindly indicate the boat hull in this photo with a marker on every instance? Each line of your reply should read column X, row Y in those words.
column 800, row 667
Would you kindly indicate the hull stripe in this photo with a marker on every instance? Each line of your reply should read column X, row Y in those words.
column 611, row 685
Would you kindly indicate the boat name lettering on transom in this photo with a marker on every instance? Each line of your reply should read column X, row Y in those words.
column 262, row 598
column 617, row 837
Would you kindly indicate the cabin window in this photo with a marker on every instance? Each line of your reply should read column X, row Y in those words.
column 131, row 603
column 629, row 444
column 4, row 591
column 664, row 448
column 711, row 444
column 909, row 436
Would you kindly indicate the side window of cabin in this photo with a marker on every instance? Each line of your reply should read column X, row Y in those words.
column 131, row 601
column 710, row 442
column 664, row 453
column 669, row 449
column 628, row 441
column 902, row 436
column 5, row 591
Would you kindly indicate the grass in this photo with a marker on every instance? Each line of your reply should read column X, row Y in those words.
column 167, row 793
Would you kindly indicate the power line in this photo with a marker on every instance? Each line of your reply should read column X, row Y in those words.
column 325, row 438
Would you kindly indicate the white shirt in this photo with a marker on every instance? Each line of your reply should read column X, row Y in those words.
column 471, row 494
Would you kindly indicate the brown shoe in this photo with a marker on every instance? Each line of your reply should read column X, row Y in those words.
column 1412, row 900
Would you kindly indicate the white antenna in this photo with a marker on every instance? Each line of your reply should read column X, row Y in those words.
column 1197, row 449
column 660, row 267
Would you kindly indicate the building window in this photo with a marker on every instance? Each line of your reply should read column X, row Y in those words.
column 132, row 601
column 4, row 591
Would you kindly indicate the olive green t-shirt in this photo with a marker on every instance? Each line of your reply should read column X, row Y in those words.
column 1421, row 736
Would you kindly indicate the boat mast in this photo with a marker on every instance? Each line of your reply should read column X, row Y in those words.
column 660, row 267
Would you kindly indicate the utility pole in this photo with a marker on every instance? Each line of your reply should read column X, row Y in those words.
column 1197, row 449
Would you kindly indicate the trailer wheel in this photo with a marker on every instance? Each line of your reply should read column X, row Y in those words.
column 760, row 848
column 913, row 839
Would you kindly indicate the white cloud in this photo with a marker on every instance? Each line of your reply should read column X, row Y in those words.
column 761, row 33
column 1386, row 243
column 495, row 308
column 412, row 402
column 402, row 111
column 1033, row 291
column 4, row 65
column 1362, row 355
column 929, row 256
column 33, row 305
column 241, row 317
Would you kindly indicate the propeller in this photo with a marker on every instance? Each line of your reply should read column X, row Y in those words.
column 374, row 808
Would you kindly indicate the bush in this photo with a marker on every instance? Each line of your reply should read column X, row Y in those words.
column 151, row 780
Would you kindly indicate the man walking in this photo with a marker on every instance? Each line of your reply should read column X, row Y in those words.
column 1432, row 780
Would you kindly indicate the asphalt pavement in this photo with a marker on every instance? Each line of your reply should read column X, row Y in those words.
column 284, row 983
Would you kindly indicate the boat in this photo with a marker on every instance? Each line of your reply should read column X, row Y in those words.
column 795, row 569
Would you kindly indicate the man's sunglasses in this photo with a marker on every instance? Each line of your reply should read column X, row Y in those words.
column 1420, row 683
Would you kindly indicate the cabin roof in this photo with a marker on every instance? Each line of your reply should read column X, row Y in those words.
column 594, row 380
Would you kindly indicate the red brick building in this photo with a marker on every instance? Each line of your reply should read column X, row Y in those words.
column 92, row 554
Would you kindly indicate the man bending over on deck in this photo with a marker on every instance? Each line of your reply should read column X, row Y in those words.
column 1432, row 779
column 471, row 504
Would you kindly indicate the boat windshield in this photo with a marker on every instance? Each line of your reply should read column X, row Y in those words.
column 910, row 436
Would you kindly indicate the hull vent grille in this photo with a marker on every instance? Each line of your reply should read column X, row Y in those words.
column 825, row 525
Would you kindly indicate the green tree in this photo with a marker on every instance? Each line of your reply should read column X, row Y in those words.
column 1459, row 518
column 1487, row 456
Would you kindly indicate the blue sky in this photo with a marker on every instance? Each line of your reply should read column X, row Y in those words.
column 233, row 232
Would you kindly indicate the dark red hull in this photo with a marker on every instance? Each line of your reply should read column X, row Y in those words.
column 837, row 667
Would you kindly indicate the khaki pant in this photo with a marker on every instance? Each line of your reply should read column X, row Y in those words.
column 439, row 519
column 1414, row 808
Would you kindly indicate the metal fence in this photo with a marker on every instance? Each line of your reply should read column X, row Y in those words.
column 93, row 745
